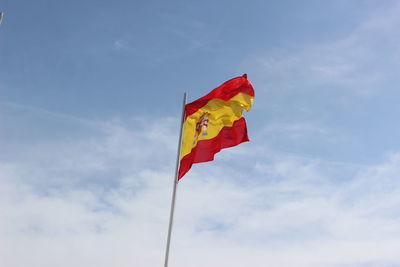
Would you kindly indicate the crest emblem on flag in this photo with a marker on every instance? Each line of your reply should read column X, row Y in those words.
column 201, row 126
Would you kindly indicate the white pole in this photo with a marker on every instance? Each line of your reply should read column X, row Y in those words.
column 171, row 215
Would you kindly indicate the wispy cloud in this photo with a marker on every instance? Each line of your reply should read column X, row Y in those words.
column 123, row 45
column 275, row 209
column 358, row 62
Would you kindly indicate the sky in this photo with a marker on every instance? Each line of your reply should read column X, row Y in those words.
column 90, row 100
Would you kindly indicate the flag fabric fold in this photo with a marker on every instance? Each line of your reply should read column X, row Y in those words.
column 215, row 122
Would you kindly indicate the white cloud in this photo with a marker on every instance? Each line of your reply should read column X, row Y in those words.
column 103, row 200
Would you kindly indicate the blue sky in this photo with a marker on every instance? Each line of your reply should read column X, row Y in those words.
column 90, row 95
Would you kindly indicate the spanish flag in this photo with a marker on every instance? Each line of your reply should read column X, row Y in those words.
column 214, row 122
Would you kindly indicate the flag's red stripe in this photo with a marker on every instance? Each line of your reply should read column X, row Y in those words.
column 206, row 149
column 225, row 91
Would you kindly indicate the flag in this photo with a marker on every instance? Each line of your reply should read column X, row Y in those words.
column 214, row 122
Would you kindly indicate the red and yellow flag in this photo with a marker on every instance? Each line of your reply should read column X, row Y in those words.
column 215, row 121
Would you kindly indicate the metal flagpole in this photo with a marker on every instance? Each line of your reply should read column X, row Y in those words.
column 171, row 215
column 1, row 17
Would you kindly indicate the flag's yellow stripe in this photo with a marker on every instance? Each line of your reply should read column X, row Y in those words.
column 220, row 114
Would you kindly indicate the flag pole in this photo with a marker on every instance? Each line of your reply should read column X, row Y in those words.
column 171, row 215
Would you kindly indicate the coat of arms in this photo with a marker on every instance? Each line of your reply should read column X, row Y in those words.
column 201, row 126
